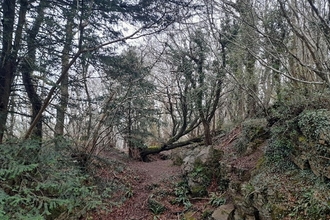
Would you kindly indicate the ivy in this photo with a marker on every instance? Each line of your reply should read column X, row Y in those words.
column 314, row 124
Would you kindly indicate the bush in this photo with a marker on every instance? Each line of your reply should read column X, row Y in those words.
column 41, row 183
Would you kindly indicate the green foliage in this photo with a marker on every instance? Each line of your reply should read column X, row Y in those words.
column 206, row 173
column 296, row 121
column 130, row 110
column 254, row 132
column 207, row 214
column 308, row 207
column 201, row 172
column 198, row 191
column 278, row 154
column 294, row 102
column 155, row 206
column 181, row 192
column 315, row 124
column 216, row 200
column 45, row 186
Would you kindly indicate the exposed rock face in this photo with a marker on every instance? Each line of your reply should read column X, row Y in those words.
column 255, row 190
column 312, row 150
column 199, row 153
column 193, row 167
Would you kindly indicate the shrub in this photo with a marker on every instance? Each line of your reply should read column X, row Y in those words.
column 44, row 185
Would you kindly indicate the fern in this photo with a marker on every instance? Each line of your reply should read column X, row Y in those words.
column 41, row 183
column 15, row 170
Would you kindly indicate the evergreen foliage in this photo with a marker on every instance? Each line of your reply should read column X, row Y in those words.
column 47, row 185
column 132, row 108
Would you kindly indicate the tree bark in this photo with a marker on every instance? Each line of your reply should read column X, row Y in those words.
column 8, row 59
column 169, row 146
column 28, row 66
column 64, row 85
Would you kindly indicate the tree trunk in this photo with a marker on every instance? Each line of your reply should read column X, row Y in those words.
column 8, row 59
column 253, row 89
column 168, row 146
column 64, row 86
column 28, row 66
column 207, row 133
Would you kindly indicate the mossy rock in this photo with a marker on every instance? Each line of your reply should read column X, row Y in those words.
column 198, row 191
column 279, row 211
column 254, row 132
column 177, row 160
column 207, row 214
column 189, row 216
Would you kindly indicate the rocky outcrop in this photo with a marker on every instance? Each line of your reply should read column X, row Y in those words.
column 197, row 168
column 199, row 153
column 312, row 148
column 266, row 177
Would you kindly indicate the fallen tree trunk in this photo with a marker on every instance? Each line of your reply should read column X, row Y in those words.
column 144, row 153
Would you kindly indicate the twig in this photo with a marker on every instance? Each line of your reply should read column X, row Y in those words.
column 327, row 158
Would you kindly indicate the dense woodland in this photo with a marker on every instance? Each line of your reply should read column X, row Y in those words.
column 83, row 76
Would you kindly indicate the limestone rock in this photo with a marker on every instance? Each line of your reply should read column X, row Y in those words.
column 224, row 212
column 201, row 153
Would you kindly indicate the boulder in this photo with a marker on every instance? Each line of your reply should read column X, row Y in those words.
column 200, row 153
column 224, row 212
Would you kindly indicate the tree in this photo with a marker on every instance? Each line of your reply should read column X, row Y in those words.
column 131, row 111
column 69, row 15
column 29, row 66
column 135, row 13
column 11, row 43
column 192, row 91
column 310, row 39
column 207, row 89
column 85, row 22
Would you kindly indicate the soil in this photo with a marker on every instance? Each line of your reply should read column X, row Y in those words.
column 157, row 180
column 152, row 180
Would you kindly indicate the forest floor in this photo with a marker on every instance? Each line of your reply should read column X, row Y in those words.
column 157, row 181
column 153, row 180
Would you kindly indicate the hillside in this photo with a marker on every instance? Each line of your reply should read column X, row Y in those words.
column 256, row 170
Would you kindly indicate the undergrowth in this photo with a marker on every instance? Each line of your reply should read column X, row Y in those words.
column 37, row 182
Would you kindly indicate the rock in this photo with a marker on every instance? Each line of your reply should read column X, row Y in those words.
column 224, row 212
column 250, row 217
column 238, row 216
column 301, row 161
column 193, row 167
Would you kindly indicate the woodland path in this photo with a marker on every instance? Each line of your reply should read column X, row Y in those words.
column 146, row 179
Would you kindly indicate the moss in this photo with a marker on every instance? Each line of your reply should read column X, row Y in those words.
column 154, row 147
column 207, row 214
column 198, row 191
column 177, row 160
column 278, row 211
column 302, row 139
column 211, row 171
column 254, row 133
column 189, row 216
column 260, row 162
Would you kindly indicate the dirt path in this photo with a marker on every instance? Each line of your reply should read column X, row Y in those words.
column 146, row 179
